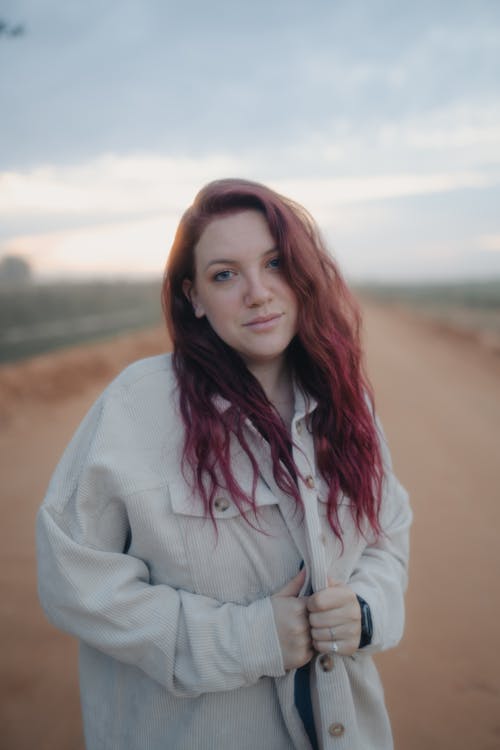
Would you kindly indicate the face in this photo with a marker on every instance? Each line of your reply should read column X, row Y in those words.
column 240, row 288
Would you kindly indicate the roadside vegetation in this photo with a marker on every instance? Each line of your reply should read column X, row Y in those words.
column 36, row 318
column 467, row 306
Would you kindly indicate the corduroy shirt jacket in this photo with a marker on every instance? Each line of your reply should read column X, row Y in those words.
column 179, row 648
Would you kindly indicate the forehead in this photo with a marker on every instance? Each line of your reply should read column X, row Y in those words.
column 232, row 235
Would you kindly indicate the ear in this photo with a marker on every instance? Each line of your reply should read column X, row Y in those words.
column 189, row 290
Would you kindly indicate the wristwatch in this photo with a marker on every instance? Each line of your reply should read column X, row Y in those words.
column 366, row 623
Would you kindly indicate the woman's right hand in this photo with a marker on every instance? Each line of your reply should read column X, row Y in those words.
column 292, row 623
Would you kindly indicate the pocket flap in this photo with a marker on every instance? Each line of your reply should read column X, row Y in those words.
column 187, row 503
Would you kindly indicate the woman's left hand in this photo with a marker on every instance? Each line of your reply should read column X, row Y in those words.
column 335, row 619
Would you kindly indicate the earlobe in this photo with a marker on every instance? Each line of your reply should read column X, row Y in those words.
column 190, row 293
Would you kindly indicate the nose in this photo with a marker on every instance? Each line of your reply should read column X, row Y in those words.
column 257, row 292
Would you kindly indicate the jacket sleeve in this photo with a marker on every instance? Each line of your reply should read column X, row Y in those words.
column 92, row 588
column 381, row 574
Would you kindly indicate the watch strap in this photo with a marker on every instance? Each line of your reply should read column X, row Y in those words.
column 366, row 623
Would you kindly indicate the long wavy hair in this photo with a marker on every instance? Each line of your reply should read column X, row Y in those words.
column 325, row 357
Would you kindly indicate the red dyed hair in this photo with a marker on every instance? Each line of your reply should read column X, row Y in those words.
column 325, row 357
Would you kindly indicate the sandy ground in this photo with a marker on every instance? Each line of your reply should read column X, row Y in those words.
column 439, row 399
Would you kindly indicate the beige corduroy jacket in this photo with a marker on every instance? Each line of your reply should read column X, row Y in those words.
column 179, row 648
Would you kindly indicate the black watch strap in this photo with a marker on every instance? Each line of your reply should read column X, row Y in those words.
column 366, row 623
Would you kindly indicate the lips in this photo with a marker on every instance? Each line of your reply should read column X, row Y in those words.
column 262, row 320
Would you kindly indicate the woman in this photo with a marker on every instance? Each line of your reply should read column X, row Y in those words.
column 224, row 533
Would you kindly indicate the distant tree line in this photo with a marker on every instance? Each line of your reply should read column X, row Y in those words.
column 12, row 30
column 14, row 271
column 40, row 317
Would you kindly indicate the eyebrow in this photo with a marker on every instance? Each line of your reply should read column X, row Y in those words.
column 229, row 261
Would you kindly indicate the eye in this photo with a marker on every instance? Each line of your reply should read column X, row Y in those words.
column 223, row 275
column 275, row 262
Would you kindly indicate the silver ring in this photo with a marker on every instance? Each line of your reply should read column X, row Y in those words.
column 335, row 647
column 332, row 633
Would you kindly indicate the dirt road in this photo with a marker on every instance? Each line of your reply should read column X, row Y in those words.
column 439, row 399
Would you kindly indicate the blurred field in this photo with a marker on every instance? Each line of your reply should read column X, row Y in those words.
column 52, row 378
column 467, row 308
column 36, row 318
column 438, row 395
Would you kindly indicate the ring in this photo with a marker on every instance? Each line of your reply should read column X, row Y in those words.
column 332, row 633
column 335, row 647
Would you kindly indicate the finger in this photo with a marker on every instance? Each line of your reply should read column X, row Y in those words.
column 323, row 635
column 328, row 647
column 341, row 632
column 326, row 634
column 327, row 599
column 330, row 619
column 341, row 647
column 334, row 615
column 293, row 587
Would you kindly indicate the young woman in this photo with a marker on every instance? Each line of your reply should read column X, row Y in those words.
column 224, row 533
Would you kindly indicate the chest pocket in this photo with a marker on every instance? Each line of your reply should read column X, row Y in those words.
column 243, row 557
column 192, row 507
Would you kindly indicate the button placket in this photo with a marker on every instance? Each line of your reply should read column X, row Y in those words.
column 312, row 523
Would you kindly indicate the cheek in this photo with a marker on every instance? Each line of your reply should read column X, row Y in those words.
column 212, row 300
column 221, row 313
column 293, row 307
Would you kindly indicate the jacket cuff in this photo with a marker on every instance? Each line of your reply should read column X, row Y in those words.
column 260, row 647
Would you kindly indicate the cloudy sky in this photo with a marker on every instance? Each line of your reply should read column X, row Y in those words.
column 381, row 116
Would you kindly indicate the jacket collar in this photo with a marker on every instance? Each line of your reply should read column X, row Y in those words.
column 304, row 404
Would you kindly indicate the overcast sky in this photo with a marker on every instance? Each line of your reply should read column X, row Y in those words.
column 381, row 117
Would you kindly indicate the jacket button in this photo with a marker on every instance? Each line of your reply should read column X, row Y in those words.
column 221, row 503
column 336, row 730
column 310, row 482
column 299, row 428
column 326, row 662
